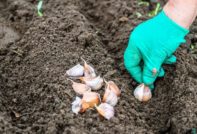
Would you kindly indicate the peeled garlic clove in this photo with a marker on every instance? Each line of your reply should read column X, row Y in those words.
column 142, row 93
column 76, row 71
column 111, row 98
column 89, row 100
column 79, row 87
column 105, row 110
column 88, row 70
column 112, row 86
column 76, row 105
column 95, row 83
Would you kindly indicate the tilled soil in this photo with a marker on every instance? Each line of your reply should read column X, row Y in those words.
column 35, row 96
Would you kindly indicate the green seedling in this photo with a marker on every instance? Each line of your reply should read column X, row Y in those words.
column 155, row 12
column 39, row 8
column 143, row 3
column 138, row 14
column 192, row 46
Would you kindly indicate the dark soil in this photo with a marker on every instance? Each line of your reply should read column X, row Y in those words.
column 35, row 96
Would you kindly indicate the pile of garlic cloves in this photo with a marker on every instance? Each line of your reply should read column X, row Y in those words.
column 87, row 98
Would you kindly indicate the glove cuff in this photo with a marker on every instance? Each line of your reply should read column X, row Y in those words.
column 163, row 18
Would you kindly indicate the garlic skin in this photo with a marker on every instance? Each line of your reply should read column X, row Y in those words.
column 89, row 100
column 110, row 97
column 95, row 83
column 142, row 93
column 80, row 88
column 88, row 70
column 105, row 110
column 76, row 71
column 76, row 105
column 139, row 92
column 147, row 94
column 112, row 86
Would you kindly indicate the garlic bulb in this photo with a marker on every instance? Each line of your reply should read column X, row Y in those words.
column 105, row 110
column 89, row 100
column 110, row 97
column 79, row 87
column 88, row 70
column 95, row 83
column 142, row 93
column 112, row 86
column 76, row 71
column 76, row 105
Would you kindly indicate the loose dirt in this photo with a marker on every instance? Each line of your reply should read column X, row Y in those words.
column 35, row 52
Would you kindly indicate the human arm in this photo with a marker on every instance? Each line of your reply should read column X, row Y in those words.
column 183, row 12
column 154, row 41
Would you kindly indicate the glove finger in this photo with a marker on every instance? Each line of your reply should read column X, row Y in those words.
column 151, row 87
column 149, row 76
column 132, row 60
column 170, row 60
column 152, row 67
column 161, row 72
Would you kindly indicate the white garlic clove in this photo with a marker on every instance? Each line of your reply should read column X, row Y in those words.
column 77, row 105
column 147, row 94
column 112, row 86
column 106, row 94
column 95, row 83
column 142, row 93
column 105, row 110
column 89, row 96
column 89, row 100
column 80, row 88
column 88, row 70
column 76, row 71
column 112, row 98
column 139, row 92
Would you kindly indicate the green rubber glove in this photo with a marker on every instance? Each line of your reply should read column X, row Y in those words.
column 151, row 44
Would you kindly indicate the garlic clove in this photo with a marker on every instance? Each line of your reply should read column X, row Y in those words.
column 111, row 98
column 105, row 110
column 76, row 71
column 89, row 100
column 80, row 88
column 88, row 70
column 139, row 92
column 112, row 86
column 106, row 94
column 147, row 94
column 142, row 93
column 76, row 105
column 95, row 83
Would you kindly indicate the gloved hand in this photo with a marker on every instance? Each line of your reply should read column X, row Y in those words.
column 151, row 44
